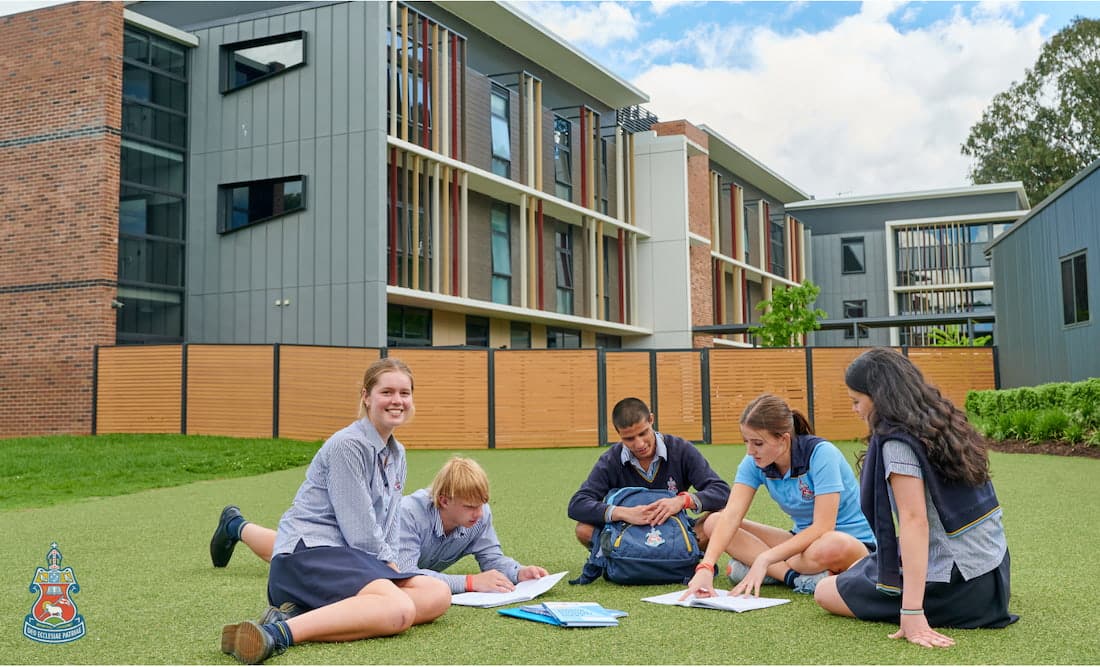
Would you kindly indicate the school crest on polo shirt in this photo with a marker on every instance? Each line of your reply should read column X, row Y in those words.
column 672, row 486
column 53, row 618
column 804, row 489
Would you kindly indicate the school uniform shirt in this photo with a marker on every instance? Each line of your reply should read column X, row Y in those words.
column 351, row 495
column 424, row 548
column 677, row 466
column 817, row 467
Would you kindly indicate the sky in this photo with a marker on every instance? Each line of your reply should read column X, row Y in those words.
column 838, row 98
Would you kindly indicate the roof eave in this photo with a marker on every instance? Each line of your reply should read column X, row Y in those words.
column 526, row 36
column 733, row 157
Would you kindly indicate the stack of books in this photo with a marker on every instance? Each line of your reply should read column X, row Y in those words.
column 567, row 614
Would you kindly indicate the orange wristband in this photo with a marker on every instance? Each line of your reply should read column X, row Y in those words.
column 469, row 583
column 705, row 566
column 688, row 504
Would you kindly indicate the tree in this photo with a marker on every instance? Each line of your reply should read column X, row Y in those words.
column 1046, row 128
column 787, row 315
column 954, row 335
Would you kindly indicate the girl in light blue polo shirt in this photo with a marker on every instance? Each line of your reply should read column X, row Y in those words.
column 810, row 480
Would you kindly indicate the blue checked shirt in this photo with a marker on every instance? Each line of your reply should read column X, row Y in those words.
column 351, row 495
column 425, row 549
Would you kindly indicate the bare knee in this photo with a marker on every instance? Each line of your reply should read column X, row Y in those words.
column 828, row 597
column 389, row 607
column 836, row 551
column 435, row 600
column 584, row 533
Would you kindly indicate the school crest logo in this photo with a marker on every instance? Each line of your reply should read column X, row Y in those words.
column 804, row 488
column 53, row 618
column 672, row 485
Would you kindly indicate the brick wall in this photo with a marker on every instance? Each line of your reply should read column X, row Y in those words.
column 60, row 113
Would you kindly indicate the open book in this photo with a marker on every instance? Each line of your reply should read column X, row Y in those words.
column 723, row 600
column 524, row 591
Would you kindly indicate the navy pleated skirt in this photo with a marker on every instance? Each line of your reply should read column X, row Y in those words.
column 313, row 577
column 981, row 602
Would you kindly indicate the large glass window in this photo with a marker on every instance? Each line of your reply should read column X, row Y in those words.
column 152, row 191
column 563, row 158
column 245, row 63
column 563, row 245
column 609, row 342
column 777, row 239
column 244, row 204
column 851, row 256
column 1075, row 290
column 407, row 326
column 561, row 339
column 501, row 134
column 502, row 254
column 853, row 310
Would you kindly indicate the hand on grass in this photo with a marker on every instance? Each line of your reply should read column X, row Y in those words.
column 915, row 628
column 750, row 585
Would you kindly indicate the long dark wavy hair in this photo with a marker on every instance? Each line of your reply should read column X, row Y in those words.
column 904, row 400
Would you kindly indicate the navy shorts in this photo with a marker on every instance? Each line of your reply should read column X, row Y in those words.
column 313, row 577
column 981, row 602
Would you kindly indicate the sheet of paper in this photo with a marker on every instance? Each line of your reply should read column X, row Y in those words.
column 525, row 590
column 723, row 601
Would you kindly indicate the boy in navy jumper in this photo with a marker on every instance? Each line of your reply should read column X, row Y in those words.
column 650, row 459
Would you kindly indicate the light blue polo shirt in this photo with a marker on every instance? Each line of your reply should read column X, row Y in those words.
column 827, row 472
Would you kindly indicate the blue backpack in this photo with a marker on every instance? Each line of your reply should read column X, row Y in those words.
column 627, row 554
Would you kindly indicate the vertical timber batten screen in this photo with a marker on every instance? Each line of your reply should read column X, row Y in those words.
column 542, row 398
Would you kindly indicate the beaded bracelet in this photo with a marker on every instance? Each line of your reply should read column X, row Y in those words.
column 912, row 612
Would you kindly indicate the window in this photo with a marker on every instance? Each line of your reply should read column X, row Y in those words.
column 502, row 254
column 563, row 245
column 563, row 158
column 245, row 63
column 609, row 342
column 245, row 204
column 562, row 339
column 502, row 136
column 477, row 331
column 1075, row 290
column 521, row 336
column 152, row 192
column 853, row 310
column 851, row 255
column 408, row 327
column 776, row 234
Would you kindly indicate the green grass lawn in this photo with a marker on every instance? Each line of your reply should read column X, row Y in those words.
column 150, row 596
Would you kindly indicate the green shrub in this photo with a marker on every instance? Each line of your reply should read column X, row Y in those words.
column 1020, row 423
column 1074, row 433
column 1049, row 424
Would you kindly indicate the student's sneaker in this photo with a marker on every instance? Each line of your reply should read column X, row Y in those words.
column 283, row 612
column 806, row 583
column 249, row 643
column 222, row 543
column 736, row 571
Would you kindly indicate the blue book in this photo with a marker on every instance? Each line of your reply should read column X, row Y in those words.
column 581, row 614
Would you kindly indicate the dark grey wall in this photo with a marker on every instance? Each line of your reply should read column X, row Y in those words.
column 326, row 121
column 855, row 218
column 1036, row 346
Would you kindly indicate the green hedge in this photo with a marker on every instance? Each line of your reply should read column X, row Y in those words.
column 1054, row 411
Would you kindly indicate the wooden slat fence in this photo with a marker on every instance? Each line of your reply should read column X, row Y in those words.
column 475, row 398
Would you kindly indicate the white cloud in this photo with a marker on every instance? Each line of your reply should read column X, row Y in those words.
column 659, row 7
column 859, row 109
column 587, row 24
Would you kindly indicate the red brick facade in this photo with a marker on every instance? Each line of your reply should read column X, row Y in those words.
column 60, row 118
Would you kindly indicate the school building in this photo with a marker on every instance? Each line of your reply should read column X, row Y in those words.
column 352, row 174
